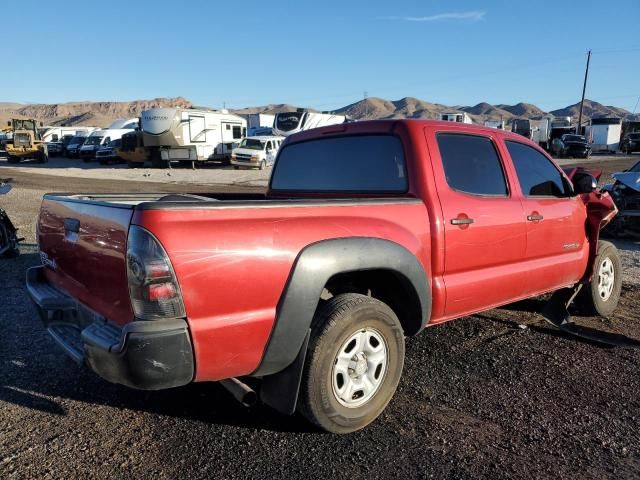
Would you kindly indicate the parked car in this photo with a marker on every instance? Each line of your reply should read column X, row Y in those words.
column 369, row 232
column 54, row 148
column 631, row 143
column 571, row 145
column 72, row 149
column 257, row 152
column 99, row 139
column 625, row 191
column 108, row 153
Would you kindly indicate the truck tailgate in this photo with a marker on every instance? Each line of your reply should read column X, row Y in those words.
column 84, row 247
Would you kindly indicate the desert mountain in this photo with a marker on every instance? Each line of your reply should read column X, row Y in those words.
column 591, row 110
column 101, row 114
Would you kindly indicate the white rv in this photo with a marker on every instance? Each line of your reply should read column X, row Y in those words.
column 100, row 138
column 259, row 122
column 190, row 135
column 459, row 117
column 288, row 123
column 132, row 123
column 56, row 134
column 604, row 134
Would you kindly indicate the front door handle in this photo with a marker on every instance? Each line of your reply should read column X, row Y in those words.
column 534, row 218
column 461, row 221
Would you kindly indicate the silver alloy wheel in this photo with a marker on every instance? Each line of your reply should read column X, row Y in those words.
column 606, row 279
column 359, row 367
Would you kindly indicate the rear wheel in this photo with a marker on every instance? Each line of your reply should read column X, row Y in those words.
column 353, row 365
column 601, row 295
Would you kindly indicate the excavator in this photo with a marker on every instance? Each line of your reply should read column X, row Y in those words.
column 26, row 142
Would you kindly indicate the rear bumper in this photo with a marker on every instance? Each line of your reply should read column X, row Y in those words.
column 147, row 355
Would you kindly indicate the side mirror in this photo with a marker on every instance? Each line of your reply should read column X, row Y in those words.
column 584, row 183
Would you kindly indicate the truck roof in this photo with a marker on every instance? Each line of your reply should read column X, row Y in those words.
column 387, row 126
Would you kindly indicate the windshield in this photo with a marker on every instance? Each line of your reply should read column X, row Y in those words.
column 363, row 163
column 77, row 140
column 573, row 138
column 94, row 140
column 252, row 144
column 24, row 125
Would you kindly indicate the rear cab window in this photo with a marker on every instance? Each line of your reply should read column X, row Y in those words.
column 472, row 165
column 351, row 163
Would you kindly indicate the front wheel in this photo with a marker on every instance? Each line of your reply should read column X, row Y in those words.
column 601, row 295
column 353, row 365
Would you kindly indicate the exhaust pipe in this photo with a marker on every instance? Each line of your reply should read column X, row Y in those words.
column 240, row 391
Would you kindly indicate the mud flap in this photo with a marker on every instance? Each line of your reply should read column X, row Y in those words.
column 280, row 390
column 556, row 312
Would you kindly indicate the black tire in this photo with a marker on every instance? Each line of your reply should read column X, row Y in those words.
column 13, row 159
column 236, row 167
column 8, row 238
column 263, row 165
column 132, row 164
column 590, row 301
column 42, row 157
column 334, row 323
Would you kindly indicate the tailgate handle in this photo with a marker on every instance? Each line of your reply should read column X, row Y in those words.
column 72, row 225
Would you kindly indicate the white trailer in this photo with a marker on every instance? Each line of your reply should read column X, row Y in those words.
column 459, row 117
column 499, row 124
column 133, row 123
column 259, row 122
column 288, row 123
column 56, row 134
column 604, row 134
column 190, row 135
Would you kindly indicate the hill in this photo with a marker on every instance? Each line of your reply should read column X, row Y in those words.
column 98, row 114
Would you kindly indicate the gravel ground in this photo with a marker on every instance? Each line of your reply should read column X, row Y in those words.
column 208, row 174
column 495, row 395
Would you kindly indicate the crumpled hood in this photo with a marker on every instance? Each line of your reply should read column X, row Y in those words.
column 629, row 179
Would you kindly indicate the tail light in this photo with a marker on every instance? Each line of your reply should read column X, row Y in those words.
column 153, row 287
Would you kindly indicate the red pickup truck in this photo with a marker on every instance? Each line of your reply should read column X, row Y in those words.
column 369, row 232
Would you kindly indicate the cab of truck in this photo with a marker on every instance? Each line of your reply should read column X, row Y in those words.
column 256, row 152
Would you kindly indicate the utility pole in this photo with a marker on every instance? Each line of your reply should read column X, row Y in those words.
column 584, row 88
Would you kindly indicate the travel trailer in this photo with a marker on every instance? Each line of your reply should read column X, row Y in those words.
column 190, row 135
column 604, row 134
column 288, row 123
column 259, row 122
column 256, row 152
column 456, row 117
column 98, row 139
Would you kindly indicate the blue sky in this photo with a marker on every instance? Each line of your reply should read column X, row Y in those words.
column 320, row 54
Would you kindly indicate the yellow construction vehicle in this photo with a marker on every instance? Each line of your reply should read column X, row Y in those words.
column 132, row 149
column 26, row 141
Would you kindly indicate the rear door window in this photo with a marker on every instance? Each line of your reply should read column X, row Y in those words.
column 356, row 163
column 472, row 165
column 538, row 177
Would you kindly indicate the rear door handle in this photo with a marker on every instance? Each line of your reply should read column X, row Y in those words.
column 534, row 218
column 461, row 221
